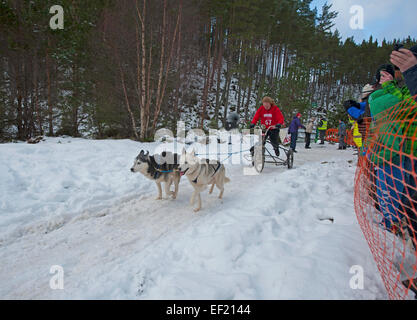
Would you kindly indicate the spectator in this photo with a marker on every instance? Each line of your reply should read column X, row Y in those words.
column 232, row 121
column 362, row 125
column 357, row 137
column 293, row 130
column 309, row 131
column 387, row 146
column 342, row 135
column 361, row 110
column 406, row 60
column 367, row 90
column 322, row 128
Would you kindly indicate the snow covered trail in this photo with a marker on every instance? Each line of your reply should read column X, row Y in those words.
column 269, row 238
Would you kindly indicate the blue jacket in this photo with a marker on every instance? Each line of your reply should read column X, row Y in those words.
column 295, row 125
column 356, row 113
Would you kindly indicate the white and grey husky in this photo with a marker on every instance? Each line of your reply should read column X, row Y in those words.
column 159, row 168
column 201, row 173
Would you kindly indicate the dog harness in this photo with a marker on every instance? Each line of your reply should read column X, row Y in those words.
column 215, row 171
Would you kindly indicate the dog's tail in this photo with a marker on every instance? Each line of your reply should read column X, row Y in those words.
column 226, row 180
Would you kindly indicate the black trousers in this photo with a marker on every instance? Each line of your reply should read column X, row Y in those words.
column 308, row 139
column 273, row 136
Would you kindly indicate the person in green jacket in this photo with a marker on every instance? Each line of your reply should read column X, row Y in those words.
column 382, row 101
column 386, row 149
column 404, row 115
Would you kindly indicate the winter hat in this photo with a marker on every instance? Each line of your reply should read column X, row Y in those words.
column 298, row 115
column 367, row 90
column 385, row 67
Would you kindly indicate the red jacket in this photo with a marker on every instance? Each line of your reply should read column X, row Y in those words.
column 270, row 117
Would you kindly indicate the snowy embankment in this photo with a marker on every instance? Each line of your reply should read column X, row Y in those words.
column 74, row 203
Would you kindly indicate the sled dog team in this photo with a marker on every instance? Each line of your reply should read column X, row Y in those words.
column 169, row 167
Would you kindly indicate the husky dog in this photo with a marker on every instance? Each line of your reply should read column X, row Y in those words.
column 201, row 173
column 159, row 168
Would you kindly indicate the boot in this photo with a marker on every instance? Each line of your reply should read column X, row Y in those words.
column 276, row 152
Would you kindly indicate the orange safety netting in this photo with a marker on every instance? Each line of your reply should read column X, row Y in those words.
column 386, row 196
column 332, row 135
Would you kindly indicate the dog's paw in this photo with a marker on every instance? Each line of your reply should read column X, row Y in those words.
column 158, row 198
column 197, row 209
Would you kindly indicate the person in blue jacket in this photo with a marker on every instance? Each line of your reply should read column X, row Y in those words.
column 359, row 110
column 293, row 130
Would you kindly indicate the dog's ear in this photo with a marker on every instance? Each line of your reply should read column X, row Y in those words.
column 142, row 156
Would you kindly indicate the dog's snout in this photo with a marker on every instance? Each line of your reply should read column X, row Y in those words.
column 132, row 170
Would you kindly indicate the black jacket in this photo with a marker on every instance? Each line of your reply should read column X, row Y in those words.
column 410, row 77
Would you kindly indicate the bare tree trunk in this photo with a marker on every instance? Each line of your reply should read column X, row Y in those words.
column 50, row 109
column 179, row 84
column 161, row 95
column 75, row 107
column 207, row 81
column 161, row 63
column 142, row 70
column 36, row 99
column 19, row 98
column 263, row 76
column 217, row 107
column 252, row 63
column 129, row 109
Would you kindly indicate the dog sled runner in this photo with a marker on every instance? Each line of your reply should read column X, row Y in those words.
column 262, row 154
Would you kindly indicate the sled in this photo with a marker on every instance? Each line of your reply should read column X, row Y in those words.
column 262, row 154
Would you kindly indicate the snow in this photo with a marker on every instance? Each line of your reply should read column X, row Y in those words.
column 75, row 203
